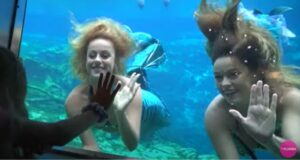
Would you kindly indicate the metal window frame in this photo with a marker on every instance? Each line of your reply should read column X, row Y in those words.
column 18, row 25
column 12, row 19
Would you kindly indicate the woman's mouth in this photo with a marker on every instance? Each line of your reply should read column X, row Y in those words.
column 97, row 70
column 229, row 93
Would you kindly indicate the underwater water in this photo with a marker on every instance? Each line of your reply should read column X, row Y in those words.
column 185, row 82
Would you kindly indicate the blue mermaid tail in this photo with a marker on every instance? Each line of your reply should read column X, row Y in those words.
column 148, row 54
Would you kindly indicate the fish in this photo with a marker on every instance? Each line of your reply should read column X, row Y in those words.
column 141, row 3
column 166, row 3
column 274, row 21
column 279, row 10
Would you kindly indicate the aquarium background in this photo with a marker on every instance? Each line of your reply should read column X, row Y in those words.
column 184, row 82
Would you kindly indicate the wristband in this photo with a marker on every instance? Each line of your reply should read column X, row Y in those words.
column 96, row 108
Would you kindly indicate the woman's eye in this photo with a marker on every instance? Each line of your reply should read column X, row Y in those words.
column 92, row 54
column 218, row 77
column 234, row 75
column 105, row 55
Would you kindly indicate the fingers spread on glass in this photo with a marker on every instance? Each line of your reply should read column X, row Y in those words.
column 266, row 96
column 274, row 103
column 132, row 81
column 117, row 88
column 253, row 100
column 259, row 92
column 260, row 95
column 105, row 93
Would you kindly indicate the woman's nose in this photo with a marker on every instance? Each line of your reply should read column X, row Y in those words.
column 98, row 58
column 225, row 82
column 98, row 61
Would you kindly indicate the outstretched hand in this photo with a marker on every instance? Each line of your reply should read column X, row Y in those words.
column 126, row 94
column 104, row 96
column 260, row 122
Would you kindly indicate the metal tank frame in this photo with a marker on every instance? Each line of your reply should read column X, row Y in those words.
column 11, row 25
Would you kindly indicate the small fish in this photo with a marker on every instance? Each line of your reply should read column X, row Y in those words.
column 279, row 10
column 166, row 3
column 141, row 3
column 274, row 21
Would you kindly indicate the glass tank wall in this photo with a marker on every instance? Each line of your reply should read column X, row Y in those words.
column 183, row 80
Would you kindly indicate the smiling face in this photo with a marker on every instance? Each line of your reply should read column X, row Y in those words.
column 100, row 57
column 233, row 80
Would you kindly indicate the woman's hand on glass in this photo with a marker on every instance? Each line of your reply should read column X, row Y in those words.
column 126, row 94
column 106, row 91
column 260, row 122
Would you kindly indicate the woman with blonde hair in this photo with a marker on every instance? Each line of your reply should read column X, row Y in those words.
column 258, row 104
column 102, row 46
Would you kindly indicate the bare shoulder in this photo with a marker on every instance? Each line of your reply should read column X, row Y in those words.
column 291, row 99
column 74, row 94
column 293, row 93
column 217, row 115
column 76, row 100
column 216, row 107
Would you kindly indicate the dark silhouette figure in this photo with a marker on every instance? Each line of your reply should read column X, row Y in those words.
column 21, row 137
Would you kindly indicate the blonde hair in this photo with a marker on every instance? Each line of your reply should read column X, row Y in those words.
column 229, row 35
column 100, row 28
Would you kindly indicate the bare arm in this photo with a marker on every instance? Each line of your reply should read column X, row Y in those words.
column 129, row 122
column 260, row 122
column 31, row 132
column 219, row 133
column 290, row 126
column 73, row 107
column 104, row 95
column 6, row 134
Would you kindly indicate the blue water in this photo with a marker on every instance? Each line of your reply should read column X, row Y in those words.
column 185, row 82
